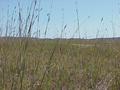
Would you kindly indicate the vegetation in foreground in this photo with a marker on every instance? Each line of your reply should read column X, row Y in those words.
column 27, row 64
column 74, row 64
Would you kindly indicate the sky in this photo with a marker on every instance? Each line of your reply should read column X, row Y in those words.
column 97, row 18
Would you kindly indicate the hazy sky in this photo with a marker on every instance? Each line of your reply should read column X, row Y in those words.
column 64, row 11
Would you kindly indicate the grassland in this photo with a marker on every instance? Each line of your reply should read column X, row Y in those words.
column 28, row 63
column 33, row 64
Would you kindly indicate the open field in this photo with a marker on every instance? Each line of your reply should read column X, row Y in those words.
column 30, row 64
column 30, row 60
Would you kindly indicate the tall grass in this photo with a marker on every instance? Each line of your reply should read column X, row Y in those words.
column 28, row 63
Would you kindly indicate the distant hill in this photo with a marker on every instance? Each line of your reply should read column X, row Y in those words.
column 33, row 38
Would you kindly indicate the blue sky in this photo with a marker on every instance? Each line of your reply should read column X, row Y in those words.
column 89, row 27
